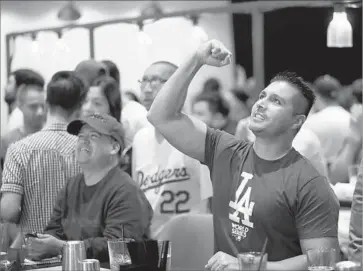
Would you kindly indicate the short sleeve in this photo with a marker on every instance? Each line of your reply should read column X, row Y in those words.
column 218, row 142
column 317, row 210
column 3, row 148
column 13, row 173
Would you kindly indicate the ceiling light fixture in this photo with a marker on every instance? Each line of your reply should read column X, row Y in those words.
column 340, row 32
column 69, row 12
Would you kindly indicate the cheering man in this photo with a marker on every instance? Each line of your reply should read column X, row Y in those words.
column 264, row 189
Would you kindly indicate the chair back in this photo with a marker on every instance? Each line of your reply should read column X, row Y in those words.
column 192, row 240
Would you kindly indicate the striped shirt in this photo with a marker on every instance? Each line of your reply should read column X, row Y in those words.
column 7, row 139
column 37, row 167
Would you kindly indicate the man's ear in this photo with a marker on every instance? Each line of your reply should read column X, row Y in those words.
column 299, row 121
column 115, row 148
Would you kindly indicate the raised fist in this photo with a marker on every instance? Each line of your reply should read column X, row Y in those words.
column 214, row 53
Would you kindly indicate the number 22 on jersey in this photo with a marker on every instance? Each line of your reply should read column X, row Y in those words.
column 174, row 202
column 242, row 205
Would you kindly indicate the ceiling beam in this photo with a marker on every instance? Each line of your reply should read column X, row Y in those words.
column 235, row 8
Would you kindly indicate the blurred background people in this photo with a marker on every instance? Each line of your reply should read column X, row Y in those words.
column 113, row 71
column 213, row 110
column 351, row 151
column 355, row 229
column 17, row 80
column 331, row 121
column 36, row 168
column 103, row 97
column 88, row 70
column 212, row 86
column 129, row 95
column 31, row 103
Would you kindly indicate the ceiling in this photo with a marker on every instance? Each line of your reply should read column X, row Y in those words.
column 38, row 8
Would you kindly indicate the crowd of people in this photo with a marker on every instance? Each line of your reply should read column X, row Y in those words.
column 84, row 160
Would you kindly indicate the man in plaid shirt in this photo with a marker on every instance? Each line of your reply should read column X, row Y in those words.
column 36, row 168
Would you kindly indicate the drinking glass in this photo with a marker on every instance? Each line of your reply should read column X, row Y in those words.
column 160, row 250
column 250, row 261
column 322, row 259
column 353, row 171
column 118, row 253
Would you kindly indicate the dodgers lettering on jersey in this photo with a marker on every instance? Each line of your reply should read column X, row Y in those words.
column 161, row 177
column 241, row 215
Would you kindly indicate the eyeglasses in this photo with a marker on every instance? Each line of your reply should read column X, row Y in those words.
column 154, row 82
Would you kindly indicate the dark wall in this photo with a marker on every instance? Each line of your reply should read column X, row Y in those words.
column 295, row 39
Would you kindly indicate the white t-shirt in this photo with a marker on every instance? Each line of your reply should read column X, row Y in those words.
column 305, row 142
column 133, row 118
column 331, row 125
column 173, row 182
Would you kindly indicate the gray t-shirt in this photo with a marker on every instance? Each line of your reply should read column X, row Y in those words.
column 285, row 200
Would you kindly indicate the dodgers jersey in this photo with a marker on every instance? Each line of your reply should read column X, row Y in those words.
column 173, row 182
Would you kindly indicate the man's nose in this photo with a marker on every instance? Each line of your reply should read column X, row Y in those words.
column 261, row 103
column 147, row 88
column 86, row 106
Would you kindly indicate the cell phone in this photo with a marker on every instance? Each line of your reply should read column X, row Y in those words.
column 33, row 234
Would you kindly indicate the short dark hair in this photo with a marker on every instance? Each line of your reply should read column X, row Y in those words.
column 66, row 90
column 112, row 70
column 241, row 94
column 28, row 77
column 217, row 104
column 299, row 83
column 111, row 90
column 211, row 85
column 327, row 86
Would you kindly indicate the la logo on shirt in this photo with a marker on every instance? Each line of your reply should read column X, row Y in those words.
column 242, row 209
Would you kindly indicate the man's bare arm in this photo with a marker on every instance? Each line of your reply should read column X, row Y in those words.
column 297, row 263
column 300, row 262
column 183, row 132
column 10, row 207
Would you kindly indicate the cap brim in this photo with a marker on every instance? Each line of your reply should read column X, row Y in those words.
column 75, row 126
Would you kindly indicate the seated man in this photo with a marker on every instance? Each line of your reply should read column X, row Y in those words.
column 102, row 202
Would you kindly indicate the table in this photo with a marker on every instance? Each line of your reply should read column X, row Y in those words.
column 58, row 268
